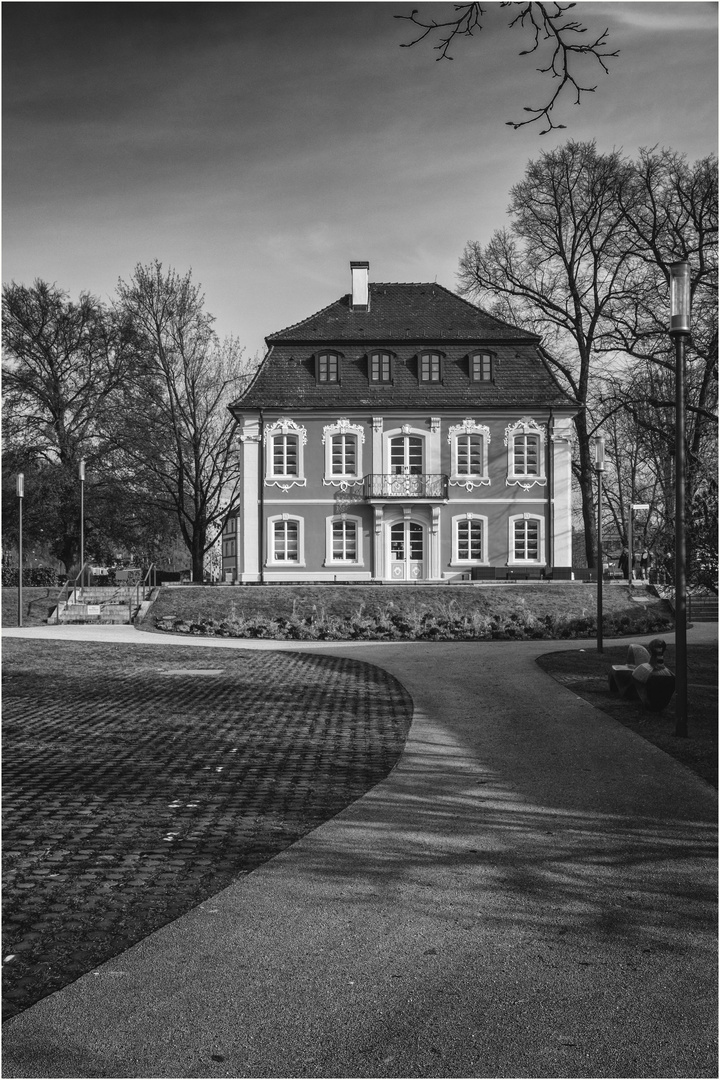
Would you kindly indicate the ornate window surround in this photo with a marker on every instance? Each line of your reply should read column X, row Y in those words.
column 271, row 522
column 512, row 561
column 329, row 561
column 468, row 480
column 285, row 426
column 526, row 426
column 456, row 560
column 342, row 427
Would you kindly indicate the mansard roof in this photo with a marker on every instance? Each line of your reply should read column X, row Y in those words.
column 414, row 312
column 405, row 319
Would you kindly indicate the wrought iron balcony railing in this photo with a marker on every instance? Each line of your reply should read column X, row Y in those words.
column 401, row 486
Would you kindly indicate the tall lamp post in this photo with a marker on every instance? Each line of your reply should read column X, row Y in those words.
column 680, row 332
column 20, row 494
column 599, row 469
column 81, row 474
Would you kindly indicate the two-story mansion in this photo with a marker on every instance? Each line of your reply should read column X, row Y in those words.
column 401, row 434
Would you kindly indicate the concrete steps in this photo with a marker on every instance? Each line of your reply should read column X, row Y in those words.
column 101, row 606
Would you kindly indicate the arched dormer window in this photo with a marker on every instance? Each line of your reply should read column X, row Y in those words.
column 430, row 367
column 327, row 367
column 482, row 366
column 380, row 367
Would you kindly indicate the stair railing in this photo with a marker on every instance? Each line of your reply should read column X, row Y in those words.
column 143, row 589
column 70, row 588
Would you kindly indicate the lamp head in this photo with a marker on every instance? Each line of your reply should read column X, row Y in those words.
column 599, row 453
column 679, row 297
column 20, row 485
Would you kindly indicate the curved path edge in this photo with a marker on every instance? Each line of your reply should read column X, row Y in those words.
column 529, row 893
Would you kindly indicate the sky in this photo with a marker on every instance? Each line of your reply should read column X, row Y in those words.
column 264, row 146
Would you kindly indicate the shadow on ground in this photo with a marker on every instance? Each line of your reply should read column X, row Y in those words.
column 135, row 787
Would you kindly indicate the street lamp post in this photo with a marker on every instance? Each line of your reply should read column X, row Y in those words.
column 81, row 474
column 599, row 469
column 20, row 495
column 680, row 332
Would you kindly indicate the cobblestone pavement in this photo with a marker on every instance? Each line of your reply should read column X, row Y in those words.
column 137, row 784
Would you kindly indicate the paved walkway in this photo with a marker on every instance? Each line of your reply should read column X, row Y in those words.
column 137, row 783
column 530, row 893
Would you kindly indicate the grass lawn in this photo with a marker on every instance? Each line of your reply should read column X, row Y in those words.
column 410, row 612
column 138, row 782
column 586, row 674
column 38, row 605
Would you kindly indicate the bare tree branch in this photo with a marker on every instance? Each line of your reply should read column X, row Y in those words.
column 547, row 26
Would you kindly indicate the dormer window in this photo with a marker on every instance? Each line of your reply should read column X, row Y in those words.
column 380, row 367
column 430, row 367
column 328, row 367
column 482, row 367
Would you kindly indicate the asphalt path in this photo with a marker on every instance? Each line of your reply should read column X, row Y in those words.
column 530, row 893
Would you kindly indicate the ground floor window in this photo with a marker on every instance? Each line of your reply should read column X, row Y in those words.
column 526, row 539
column 286, row 541
column 344, row 541
column 470, row 540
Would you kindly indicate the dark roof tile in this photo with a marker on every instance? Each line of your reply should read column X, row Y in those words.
column 403, row 318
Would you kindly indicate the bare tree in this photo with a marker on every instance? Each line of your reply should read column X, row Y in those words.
column 548, row 30
column 62, row 365
column 176, row 438
column 671, row 213
column 558, row 270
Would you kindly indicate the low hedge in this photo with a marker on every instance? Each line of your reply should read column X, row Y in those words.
column 414, row 625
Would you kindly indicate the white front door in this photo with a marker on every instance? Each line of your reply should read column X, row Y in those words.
column 407, row 551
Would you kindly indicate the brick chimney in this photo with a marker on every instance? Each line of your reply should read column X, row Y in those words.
column 360, row 298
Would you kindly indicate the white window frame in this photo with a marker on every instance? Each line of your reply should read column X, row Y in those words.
column 512, row 560
column 468, row 480
column 357, row 521
column 271, row 523
column 456, row 521
column 526, row 426
column 284, row 426
column 343, row 427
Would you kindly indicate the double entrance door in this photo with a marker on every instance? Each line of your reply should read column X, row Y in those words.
column 407, row 551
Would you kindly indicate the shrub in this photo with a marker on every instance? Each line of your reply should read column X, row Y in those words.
column 416, row 624
column 33, row 576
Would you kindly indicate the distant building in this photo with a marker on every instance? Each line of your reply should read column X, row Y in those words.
column 401, row 434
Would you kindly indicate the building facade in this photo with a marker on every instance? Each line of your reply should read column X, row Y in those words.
column 401, row 434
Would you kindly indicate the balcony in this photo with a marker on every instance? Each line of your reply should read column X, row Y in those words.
column 400, row 486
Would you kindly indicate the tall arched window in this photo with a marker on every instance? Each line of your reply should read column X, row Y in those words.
column 525, row 441
column 343, row 443
column 284, row 462
column 469, row 454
